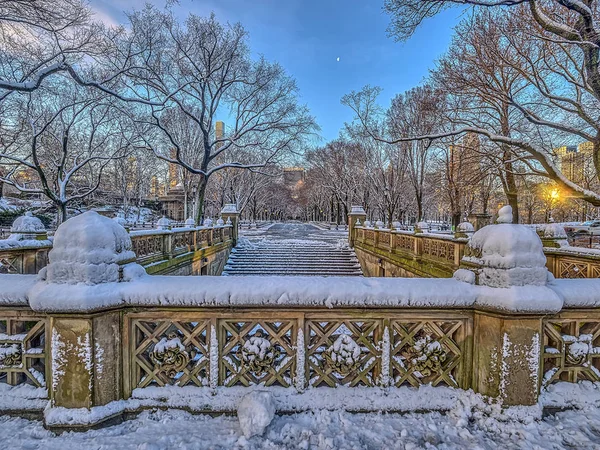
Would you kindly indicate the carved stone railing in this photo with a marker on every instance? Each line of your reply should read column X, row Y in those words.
column 384, row 348
column 141, row 355
column 404, row 253
column 150, row 246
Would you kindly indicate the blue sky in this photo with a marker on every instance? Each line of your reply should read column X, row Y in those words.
column 307, row 36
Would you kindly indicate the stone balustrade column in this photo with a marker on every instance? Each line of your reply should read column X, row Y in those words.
column 357, row 213
column 230, row 212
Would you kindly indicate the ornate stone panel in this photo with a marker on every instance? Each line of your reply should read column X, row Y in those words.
column 569, row 268
column 343, row 352
column 571, row 350
column 23, row 350
column 427, row 352
column 170, row 352
column 257, row 351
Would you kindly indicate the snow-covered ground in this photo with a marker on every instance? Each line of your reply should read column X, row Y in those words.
column 172, row 429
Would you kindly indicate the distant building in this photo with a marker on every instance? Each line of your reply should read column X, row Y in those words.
column 173, row 202
column 293, row 179
column 575, row 161
column 293, row 175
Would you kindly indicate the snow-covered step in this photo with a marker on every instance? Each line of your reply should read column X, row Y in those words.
column 274, row 258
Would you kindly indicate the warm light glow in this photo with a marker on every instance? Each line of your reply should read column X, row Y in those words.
column 554, row 194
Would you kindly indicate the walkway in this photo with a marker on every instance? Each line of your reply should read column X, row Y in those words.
column 293, row 248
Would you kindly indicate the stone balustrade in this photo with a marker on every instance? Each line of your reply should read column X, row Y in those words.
column 400, row 253
column 181, row 251
column 93, row 338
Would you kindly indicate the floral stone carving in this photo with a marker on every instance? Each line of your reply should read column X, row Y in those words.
column 170, row 355
column 258, row 354
column 10, row 355
column 577, row 349
column 426, row 356
column 344, row 355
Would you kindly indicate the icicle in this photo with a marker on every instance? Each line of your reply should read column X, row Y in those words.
column 384, row 380
column 214, row 358
column 300, row 362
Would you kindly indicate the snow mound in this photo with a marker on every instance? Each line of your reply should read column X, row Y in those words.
column 505, row 215
column 508, row 255
column 27, row 223
column 465, row 227
column 255, row 412
column 88, row 248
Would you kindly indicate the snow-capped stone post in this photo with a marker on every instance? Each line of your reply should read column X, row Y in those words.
column 80, row 292
column 357, row 213
column 29, row 234
column 231, row 213
column 464, row 230
column 29, row 227
column 507, row 263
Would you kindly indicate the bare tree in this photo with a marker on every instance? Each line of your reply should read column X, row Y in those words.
column 203, row 70
column 60, row 139
column 555, row 48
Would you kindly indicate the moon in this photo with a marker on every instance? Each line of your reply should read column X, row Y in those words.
column 338, row 59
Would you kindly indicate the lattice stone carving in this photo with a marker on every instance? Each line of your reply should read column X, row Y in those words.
column 23, row 351
column 573, row 269
column 428, row 351
column 571, row 350
column 246, row 359
column 369, row 236
column 10, row 263
column 405, row 242
column 356, row 346
column 147, row 245
column 438, row 249
column 384, row 238
column 170, row 352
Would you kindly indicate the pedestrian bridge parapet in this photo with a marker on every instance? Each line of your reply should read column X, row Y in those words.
column 116, row 341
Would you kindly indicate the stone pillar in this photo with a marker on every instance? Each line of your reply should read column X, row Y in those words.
column 230, row 212
column 480, row 220
column 507, row 261
column 86, row 360
column 357, row 213
column 506, row 357
column 79, row 293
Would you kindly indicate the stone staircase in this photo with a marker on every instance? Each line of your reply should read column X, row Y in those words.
column 291, row 258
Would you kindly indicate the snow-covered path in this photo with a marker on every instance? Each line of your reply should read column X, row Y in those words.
column 320, row 430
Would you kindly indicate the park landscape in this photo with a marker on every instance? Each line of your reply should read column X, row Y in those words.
column 300, row 225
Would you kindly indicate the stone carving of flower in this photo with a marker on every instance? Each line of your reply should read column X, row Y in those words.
column 577, row 349
column 257, row 353
column 170, row 355
column 10, row 355
column 426, row 356
column 344, row 355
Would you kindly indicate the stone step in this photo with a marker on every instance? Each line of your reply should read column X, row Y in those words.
column 293, row 272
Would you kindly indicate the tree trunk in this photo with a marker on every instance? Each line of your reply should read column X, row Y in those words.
column 61, row 213
column 200, row 194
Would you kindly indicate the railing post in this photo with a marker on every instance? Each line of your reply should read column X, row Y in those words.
column 231, row 213
column 357, row 213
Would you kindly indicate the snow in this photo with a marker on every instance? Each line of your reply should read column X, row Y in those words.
column 27, row 223
column 505, row 215
column 88, row 249
column 18, row 241
column 470, row 423
column 255, row 412
column 510, row 255
column 229, row 208
column 14, row 288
